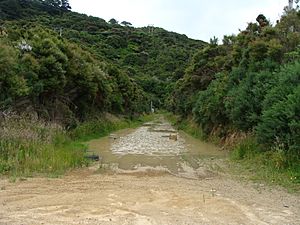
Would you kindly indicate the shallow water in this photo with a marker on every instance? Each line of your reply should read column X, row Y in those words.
column 151, row 148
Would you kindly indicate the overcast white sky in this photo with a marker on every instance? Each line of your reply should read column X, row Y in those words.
column 198, row 19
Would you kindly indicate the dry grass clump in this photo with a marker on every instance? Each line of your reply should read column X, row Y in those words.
column 29, row 145
column 16, row 127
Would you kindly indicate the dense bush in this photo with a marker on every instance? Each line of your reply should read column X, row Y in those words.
column 280, row 122
column 75, row 49
column 250, row 83
column 210, row 109
column 244, row 102
column 60, row 80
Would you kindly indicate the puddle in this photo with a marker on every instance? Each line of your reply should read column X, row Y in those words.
column 155, row 146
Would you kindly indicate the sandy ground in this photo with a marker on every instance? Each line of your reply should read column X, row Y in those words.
column 86, row 197
column 145, row 197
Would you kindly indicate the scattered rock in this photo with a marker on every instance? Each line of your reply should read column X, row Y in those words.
column 113, row 136
column 93, row 157
column 173, row 137
column 143, row 142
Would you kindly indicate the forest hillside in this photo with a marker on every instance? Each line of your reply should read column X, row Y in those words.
column 52, row 56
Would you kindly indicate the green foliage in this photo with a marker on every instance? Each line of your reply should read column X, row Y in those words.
column 125, row 23
column 262, row 20
column 93, row 129
column 96, row 128
column 60, row 80
column 206, row 63
column 113, row 21
column 280, row 121
column 250, row 84
column 273, row 167
column 28, row 146
column 244, row 102
column 187, row 125
column 17, row 9
column 12, row 82
column 246, row 149
column 153, row 55
column 210, row 109
column 243, row 85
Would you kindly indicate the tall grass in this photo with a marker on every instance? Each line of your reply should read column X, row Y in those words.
column 275, row 166
column 31, row 146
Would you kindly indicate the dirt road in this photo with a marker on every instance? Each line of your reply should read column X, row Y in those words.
column 130, row 188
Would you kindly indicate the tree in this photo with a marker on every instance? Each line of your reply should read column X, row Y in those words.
column 214, row 41
column 127, row 24
column 54, row 3
column 12, row 82
column 65, row 5
column 113, row 21
column 262, row 20
column 209, row 110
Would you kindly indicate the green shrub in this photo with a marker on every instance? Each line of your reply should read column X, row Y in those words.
column 274, row 166
column 280, row 122
column 244, row 102
column 246, row 149
column 209, row 110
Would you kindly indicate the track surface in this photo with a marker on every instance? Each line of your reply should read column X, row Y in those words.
column 146, row 196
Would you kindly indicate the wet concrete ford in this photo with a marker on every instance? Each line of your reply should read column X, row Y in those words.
column 155, row 146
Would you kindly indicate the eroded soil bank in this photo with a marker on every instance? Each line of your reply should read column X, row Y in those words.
column 147, row 177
